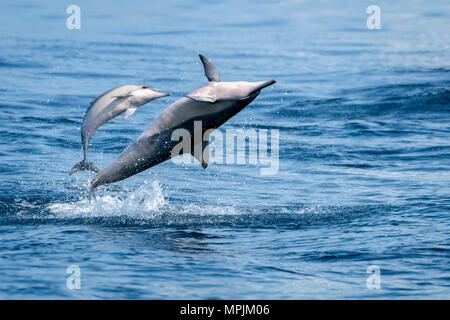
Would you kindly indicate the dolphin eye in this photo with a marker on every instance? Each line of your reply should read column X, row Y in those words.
column 144, row 87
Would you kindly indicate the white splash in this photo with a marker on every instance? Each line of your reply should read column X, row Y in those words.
column 142, row 202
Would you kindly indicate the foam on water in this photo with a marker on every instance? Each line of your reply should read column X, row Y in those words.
column 145, row 201
column 148, row 206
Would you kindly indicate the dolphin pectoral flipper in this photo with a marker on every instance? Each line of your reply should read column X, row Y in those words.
column 124, row 96
column 129, row 112
column 84, row 165
column 210, row 70
column 202, row 98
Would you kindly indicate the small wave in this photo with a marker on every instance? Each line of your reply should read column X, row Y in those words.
column 21, row 64
column 90, row 75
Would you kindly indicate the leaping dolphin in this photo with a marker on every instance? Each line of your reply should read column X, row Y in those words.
column 109, row 105
column 212, row 104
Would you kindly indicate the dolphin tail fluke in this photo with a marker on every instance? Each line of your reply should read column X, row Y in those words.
column 84, row 165
column 91, row 194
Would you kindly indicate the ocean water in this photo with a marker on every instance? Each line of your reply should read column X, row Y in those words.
column 364, row 152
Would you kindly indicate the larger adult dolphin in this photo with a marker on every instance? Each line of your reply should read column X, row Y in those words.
column 122, row 99
column 212, row 104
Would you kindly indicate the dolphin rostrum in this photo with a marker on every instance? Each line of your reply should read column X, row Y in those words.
column 212, row 104
column 122, row 99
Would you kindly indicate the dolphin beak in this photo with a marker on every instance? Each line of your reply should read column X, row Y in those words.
column 163, row 94
column 262, row 85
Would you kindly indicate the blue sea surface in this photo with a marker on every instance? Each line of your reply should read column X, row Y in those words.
column 364, row 152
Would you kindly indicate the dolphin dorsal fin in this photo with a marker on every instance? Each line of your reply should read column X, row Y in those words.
column 210, row 70
column 202, row 155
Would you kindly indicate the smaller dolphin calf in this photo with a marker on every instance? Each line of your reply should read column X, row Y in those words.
column 122, row 99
